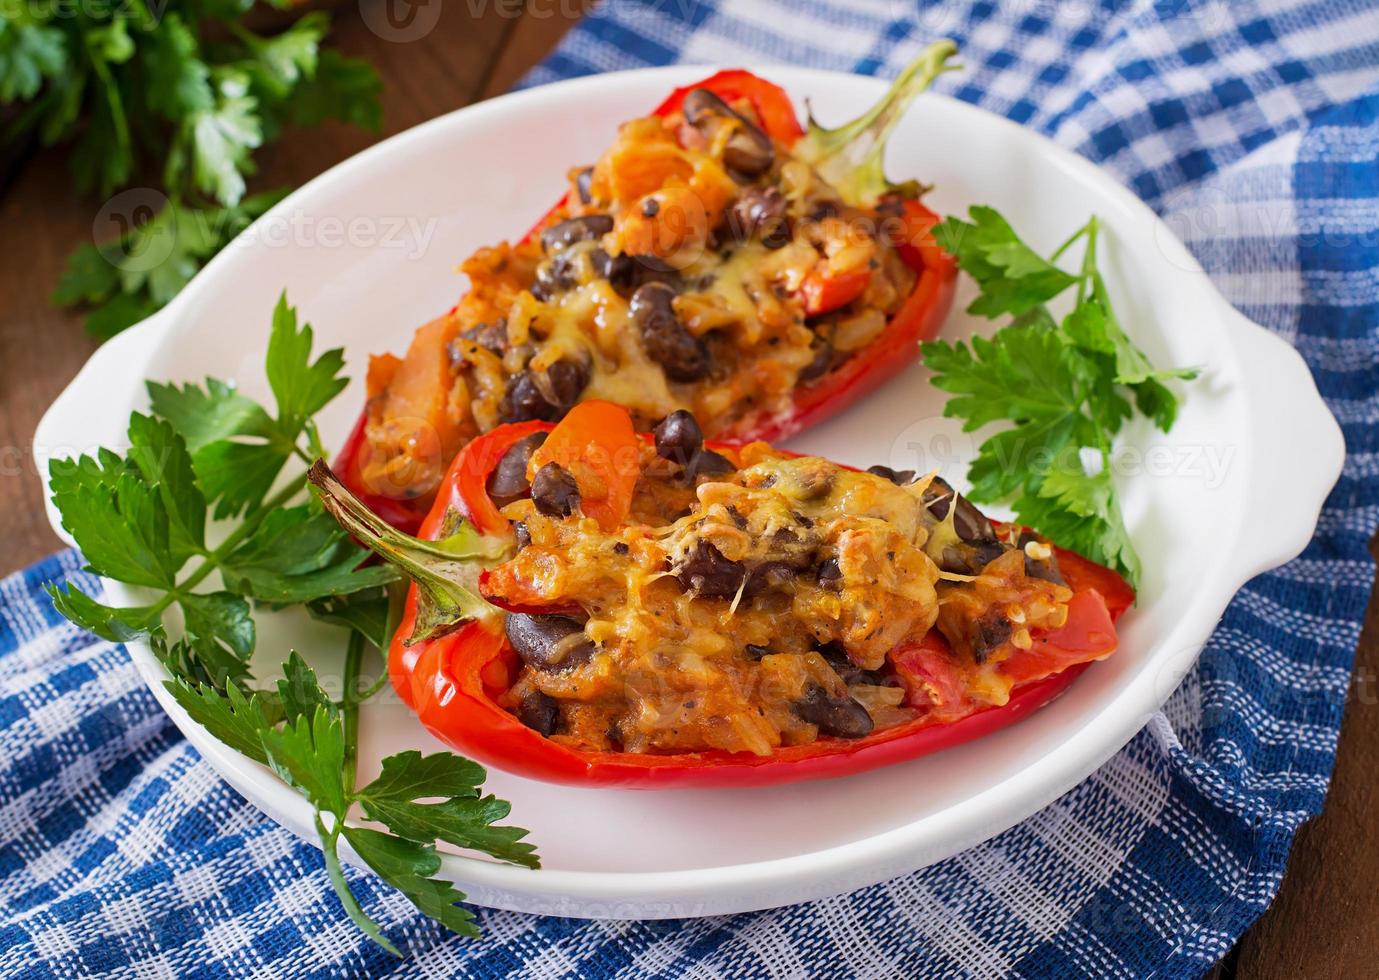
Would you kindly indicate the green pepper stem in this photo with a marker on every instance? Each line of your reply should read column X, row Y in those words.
column 444, row 571
column 850, row 156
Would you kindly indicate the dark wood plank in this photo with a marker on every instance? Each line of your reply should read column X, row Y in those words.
column 40, row 348
column 533, row 37
column 1325, row 920
column 452, row 63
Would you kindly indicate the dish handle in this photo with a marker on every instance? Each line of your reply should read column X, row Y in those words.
column 92, row 410
column 1302, row 448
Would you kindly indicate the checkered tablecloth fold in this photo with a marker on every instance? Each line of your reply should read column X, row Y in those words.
column 122, row 854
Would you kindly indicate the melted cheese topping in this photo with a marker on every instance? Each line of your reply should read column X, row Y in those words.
column 825, row 573
column 671, row 200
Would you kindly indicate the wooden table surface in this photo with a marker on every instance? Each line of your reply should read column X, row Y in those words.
column 1325, row 922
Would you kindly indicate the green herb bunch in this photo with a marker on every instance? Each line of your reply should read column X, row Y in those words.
column 1067, row 386
column 178, row 88
column 209, row 464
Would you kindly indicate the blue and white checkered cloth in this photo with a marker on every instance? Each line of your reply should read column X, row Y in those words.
column 122, row 853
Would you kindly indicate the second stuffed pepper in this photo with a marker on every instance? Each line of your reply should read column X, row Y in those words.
column 717, row 258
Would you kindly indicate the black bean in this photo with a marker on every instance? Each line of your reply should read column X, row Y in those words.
column 559, row 273
column 649, row 268
column 678, row 437
column 890, row 206
column 706, row 571
column 970, row 523
column 1044, row 568
column 759, row 211
column 617, row 269
column 522, row 401
column 823, row 209
column 988, row 633
column 823, row 357
column 554, row 491
column 508, row 481
column 582, row 180
column 836, row 656
column 898, row 477
column 701, row 105
column 555, row 643
column 839, row 717
column 490, row 336
column 522, row 534
column 748, row 152
column 681, row 355
column 566, row 380
column 706, row 462
column 539, row 712
column 772, row 575
column 979, row 544
column 584, row 228
column 651, row 207
column 816, row 481
column 830, row 574
column 755, row 651
column 546, row 396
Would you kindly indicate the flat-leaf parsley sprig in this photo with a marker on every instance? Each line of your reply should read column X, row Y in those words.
column 145, row 518
column 179, row 92
column 1065, row 386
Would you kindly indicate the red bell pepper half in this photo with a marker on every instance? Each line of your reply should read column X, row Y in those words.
column 453, row 679
column 918, row 318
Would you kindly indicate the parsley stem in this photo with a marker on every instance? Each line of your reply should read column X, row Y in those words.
column 246, row 527
column 375, row 687
column 1070, row 241
column 349, row 706
column 329, row 848
column 1088, row 260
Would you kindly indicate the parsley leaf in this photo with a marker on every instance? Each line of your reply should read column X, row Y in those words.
column 131, row 277
column 465, row 819
column 162, row 459
column 107, row 622
column 208, row 414
column 301, row 555
column 408, row 867
column 281, row 62
column 219, row 139
column 1014, row 278
column 299, row 691
column 30, row 53
column 179, row 81
column 369, row 612
column 309, row 753
column 1060, row 386
column 181, row 89
column 233, row 717
column 301, row 386
column 142, row 517
column 219, row 619
column 342, row 88
column 117, row 519
column 239, row 450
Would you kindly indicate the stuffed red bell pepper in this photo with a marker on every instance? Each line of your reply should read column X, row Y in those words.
column 717, row 258
column 598, row 607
